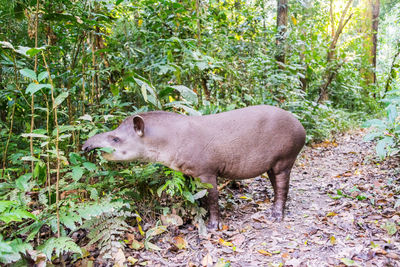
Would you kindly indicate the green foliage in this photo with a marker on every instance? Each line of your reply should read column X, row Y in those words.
column 387, row 130
column 10, row 251
column 186, row 187
column 59, row 246
column 109, row 60
column 107, row 226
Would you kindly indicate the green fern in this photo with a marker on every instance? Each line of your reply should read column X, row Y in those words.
column 60, row 245
column 106, row 225
column 10, row 251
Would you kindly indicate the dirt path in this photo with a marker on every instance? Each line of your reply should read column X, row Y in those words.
column 343, row 210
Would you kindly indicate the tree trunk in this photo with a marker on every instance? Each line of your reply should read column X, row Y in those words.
column 330, row 71
column 281, row 25
column 369, row 28
column 375, row 24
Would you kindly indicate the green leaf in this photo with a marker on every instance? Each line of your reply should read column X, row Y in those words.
column 60, row 98
column 34, row 51
column 118, row 2
column 375, row 123
column 186, row 93
column 22, row 182
column 77, row 173
column 5, row 204
column 90, row 166
column 200, row 194
column 28, row 74
column 188, row 196
column 392, row 113
column 43, row 75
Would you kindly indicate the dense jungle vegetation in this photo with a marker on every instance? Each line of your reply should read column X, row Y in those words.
column 71, row 69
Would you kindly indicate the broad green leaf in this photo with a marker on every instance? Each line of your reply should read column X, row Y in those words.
column 392, row 113
column 34, row 87
column 23, row 50
column 43, row 75
column 28, row 74
column 186, row 93
column 90, row 166
column 200, row 194
column 77, row 173
column 144, row 92
column 375, row 123
column 60, row 98
column 22, row 183
column 34, row 51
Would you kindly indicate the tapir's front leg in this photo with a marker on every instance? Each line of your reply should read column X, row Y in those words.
column 212, row 202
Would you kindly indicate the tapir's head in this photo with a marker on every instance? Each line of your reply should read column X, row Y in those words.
column 126, row 141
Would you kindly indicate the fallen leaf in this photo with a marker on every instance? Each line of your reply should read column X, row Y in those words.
column 331, row 214
column 286, row 255
column 136, row 245
column 207, row 261
column 349, row 262
column 171, row 219
column 332, row 239
column 132, row 260
column 225, row 243
column 222, row 263
column 119, row 258
column 264, row 252
column 390, row 227
column 179, row 242
column 393, row 256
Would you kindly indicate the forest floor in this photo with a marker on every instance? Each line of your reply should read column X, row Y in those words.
column 343, row 210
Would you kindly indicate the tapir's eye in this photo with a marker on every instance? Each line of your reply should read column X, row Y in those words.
column 116, row 139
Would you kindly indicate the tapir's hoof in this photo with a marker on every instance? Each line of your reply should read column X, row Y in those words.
column 276, row 216
column 214, row 225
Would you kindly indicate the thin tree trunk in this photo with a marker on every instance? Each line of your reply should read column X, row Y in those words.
column 330, row 72
column 392, row 72
column 281, row 24
column 375, row 24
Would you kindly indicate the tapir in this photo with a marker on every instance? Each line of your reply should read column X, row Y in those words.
column 238, row 144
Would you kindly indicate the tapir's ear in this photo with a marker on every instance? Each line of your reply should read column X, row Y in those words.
column 138, row 125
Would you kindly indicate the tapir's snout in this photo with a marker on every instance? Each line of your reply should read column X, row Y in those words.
column 87, row 147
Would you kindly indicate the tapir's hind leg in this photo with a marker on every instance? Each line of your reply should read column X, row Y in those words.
column 280, row 182
column 272, row 179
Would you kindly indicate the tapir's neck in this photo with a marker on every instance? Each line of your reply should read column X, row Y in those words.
column 163, row 145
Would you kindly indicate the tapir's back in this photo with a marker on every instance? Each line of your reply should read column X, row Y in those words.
column 247, row 142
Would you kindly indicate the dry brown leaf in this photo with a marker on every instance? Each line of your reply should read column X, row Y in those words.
column 171, row 219
column 179, row 242
column 264, row 252
column 207, row 260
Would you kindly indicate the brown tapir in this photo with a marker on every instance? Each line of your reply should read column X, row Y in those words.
column 237, row 144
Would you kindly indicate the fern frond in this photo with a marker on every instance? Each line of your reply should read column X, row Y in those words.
column 60, row 245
